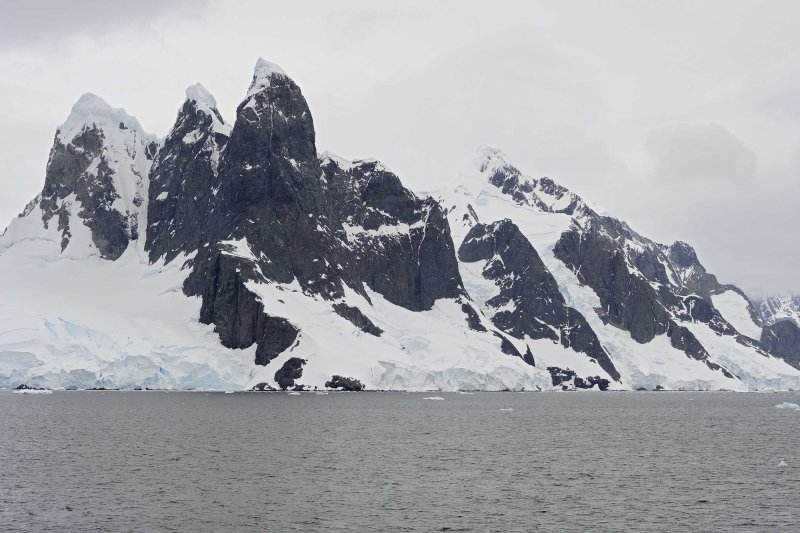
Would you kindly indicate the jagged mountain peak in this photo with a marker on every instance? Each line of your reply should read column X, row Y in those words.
column 488, row 158
column 199, row 99
column 91, row 111
column 263, row 74
column 200, row 95
column 317, row 261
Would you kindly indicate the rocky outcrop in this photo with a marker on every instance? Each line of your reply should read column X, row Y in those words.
column 97, row 176
column 345, row 384
column 398, row 244
column 529, row 302
column 291, row 371
column 184, row 178
column 238, row 315
column 783, row 340
column 357, row 318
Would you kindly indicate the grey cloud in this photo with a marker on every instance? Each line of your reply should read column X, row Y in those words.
column 37, row 22
column 420, row 84
column 783, row 105
column 700, row 152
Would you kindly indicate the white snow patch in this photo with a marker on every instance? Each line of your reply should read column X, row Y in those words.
column 262, row 76
column 736, row 310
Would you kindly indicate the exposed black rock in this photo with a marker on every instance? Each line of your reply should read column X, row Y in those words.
column 262, row 387
column 345, row 384
column 506, row 346
column 27, row 387
column 566, row 379
column 529, row 302
column 473, row 318
column 399, row 245
column 528, row 357
column 80, row 167
column 238, row 315
column 692, row 274
column 293, row 219
column 291, row 370
column 357, row 318
column 783, row 340
column 183, row 182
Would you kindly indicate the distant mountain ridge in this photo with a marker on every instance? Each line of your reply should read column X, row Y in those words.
column 233, row 255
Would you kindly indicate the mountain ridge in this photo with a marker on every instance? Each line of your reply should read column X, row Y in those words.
column 311, row 266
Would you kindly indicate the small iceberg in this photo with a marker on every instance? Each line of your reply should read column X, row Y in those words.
column 433, row 398
column 320, row 392
column 33, row 391
column 787, row 405
column 782, row 464
column 294, row 394
column 229, row 392
column 506, row 408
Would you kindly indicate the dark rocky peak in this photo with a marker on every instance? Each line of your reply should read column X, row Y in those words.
column 367, row 194
column 184, row 177
column 688, row 270
column 270, row 192
column 397, row 243
column 682, row 254
column 97, row 173
column 276, row 117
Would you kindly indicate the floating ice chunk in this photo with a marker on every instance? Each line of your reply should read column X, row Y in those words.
column 782, row 464
column 787, row 405
column 433, row 398
column 33, row 391
column 294, row 394
column 506, row 408
column 229, row 392
column 462, row 392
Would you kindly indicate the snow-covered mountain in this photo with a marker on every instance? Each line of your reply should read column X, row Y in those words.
column 233, row 255
column 779, row 308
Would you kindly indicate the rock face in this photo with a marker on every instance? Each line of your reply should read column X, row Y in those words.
column 96, row 180
column 776, row 309
column 291, row 371
column 399, row 245
column 312, row 270
column 526, row 290
column 184, row 178
column 783, row 340
column 596, row 279
column 345, row 384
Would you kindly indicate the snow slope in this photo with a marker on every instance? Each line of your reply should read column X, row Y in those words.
column 91, row 322
column 736, row 309
column 649, row 365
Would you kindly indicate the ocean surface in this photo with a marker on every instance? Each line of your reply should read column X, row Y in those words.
column 193, row 461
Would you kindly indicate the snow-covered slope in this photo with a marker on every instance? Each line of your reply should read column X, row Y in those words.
column 779, row 308
column 94, row 200
column 232, row 255
column 693, row 339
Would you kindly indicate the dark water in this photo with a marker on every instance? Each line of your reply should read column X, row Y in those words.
column 125, row 461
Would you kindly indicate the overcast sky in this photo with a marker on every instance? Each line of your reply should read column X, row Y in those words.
column 682, row 118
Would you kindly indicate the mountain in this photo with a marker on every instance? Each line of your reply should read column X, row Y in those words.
column 234, row 255
column 778, row 308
